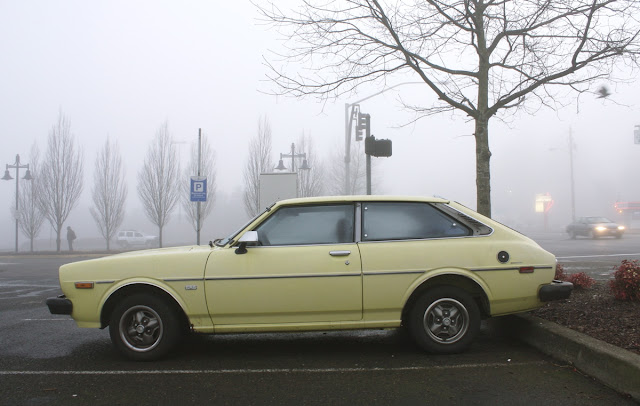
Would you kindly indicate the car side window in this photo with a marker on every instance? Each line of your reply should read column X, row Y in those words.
column 408, row 221
column 303, row 225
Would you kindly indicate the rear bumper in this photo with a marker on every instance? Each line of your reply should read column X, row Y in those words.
column 59, row 305
column 556, row 290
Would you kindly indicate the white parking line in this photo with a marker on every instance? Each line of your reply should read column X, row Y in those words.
column 47, row 319
column 276, row 371
column 597, row 256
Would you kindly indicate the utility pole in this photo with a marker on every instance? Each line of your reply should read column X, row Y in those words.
column 199, row 174
column 573, row 192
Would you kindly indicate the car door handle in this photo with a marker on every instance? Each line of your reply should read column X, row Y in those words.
column 339, row 253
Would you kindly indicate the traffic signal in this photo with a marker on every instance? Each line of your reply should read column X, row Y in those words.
column 377, row 148
column 363, row 126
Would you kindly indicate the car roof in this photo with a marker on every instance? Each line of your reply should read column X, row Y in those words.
column 362, row 198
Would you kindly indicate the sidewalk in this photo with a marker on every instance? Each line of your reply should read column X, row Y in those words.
column 615, row 367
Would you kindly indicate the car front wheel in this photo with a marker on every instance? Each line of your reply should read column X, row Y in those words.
column 444, row 320
column 144, row 327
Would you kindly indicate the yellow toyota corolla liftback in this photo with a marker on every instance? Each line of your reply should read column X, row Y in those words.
column 430, row 265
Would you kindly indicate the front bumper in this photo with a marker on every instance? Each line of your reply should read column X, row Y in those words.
column 60, row 305
column 556, row 290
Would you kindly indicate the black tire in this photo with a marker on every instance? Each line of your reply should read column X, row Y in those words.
column 572, row 235
column 444, row 320
column 144, row 327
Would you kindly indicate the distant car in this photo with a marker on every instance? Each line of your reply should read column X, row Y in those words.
column 132, row 238
column 430, row 265
column 595, row 227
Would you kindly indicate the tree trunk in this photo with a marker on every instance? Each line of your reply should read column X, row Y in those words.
column 483, row 154
column 58, row 239
column 159, row 236
column 483, row 167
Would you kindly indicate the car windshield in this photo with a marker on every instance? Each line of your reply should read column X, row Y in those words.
column 221, row 242
column 593, row 220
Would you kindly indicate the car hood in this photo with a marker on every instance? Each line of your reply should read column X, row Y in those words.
column 160, row 263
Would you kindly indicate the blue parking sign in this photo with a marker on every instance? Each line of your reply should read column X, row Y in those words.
column 198, row 188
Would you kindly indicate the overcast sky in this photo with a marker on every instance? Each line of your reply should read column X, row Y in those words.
column 120, row 69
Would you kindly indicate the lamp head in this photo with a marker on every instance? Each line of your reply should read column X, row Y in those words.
column 281, row 166
column 305, row 165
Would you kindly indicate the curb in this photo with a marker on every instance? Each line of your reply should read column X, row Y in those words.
column 613, row 366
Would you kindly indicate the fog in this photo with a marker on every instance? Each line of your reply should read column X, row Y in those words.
column 120, row 69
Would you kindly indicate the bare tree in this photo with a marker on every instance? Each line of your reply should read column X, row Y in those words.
column 208, row 169
column 60, row 177
column 310, row 181
column 158, row 186
column 259, row 162
column 479, row 57
column 109, row 191
column 30, row 216
column 358, row 179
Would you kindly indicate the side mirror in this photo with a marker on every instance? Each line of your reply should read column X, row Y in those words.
column 248, row 237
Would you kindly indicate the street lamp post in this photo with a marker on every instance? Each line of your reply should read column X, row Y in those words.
column 293, row 156
column 16, row 165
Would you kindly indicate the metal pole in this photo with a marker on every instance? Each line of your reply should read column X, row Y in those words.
column 293, row 157
column 17, row 200
column 573, row 192
column 347, row 149
column 368, row 174
column 199, row 168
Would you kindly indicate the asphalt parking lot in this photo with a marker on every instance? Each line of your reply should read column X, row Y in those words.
column 46, row 359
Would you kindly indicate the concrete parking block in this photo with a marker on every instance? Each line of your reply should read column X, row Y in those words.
column 611, row 365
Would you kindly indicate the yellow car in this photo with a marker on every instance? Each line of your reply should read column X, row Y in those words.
column 331, row 263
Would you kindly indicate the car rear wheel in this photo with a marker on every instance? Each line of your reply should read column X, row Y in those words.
column 444, row 320
column 144, row 327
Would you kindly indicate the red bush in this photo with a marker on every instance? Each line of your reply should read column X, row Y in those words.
column 581, row 280
column 626, row 281
column 560, row 275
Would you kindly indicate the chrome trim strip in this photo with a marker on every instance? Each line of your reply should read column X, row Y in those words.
column 104, row 282
column 358, row 223
column 375, row 273
column 315, row 275
column 183, row 279
column 422, row 239
column 517, row 268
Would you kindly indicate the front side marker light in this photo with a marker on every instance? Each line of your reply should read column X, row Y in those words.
column 84, row 285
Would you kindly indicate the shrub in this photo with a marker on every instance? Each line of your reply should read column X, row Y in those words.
column 581, row 280
column 626, row 281
column 560, row 275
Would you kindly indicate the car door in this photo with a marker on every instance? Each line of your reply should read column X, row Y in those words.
column 305, row 270
column 401, row 241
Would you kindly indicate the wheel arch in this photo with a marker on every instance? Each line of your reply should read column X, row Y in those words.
column 140, row 287
column 463, row 282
